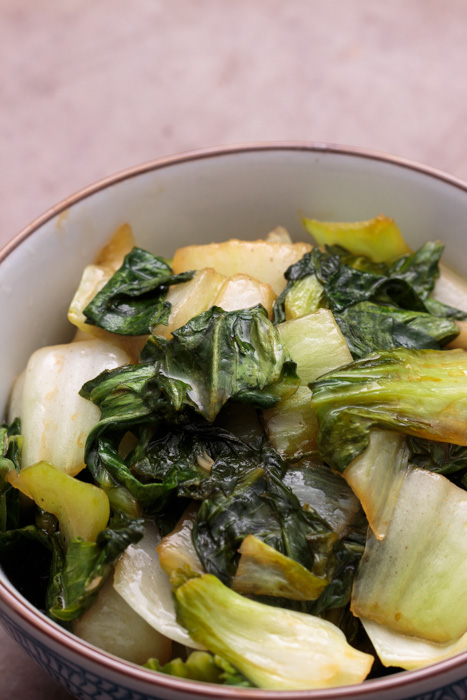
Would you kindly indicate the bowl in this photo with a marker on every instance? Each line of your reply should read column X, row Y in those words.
column 205, row 196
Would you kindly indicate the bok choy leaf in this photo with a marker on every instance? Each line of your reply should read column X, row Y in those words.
column 133, row 300
column 378, row 306
column 261, row 505
column 274, row 648
column 87, row 565
column 417, row 392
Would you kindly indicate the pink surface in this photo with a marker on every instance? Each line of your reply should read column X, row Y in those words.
column 88, row 88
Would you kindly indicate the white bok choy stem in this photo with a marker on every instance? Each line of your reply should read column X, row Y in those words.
column 376, row 477
column 55, row 419
column 451, row 288
column 414, row 581
column 273, row 647
column 142, row 583
column 396, row 649
column 112, row 625
column 317, row 345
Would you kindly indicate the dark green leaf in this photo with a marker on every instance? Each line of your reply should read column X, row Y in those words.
column 10, row 458
column 260, row 505
column 27, row 555
column 87, row 565
column 354, row 287
column 133, row 300
column 367, row 327
column 440, row 457
column 221, row 355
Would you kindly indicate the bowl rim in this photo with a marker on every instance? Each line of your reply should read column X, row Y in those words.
column 28, row 613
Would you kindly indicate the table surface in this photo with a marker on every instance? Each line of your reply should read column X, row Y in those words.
column 89, row 88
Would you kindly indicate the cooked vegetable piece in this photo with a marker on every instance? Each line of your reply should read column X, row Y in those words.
column 55, row 419
column 112, row 625
column 133, row 300
column 82, row 509
column 263, row 260
column 142, row 583
column 376, row 476
column 415, row 392
column 220, row 355
column 107, row 261
column 415, row 580
column 367, row 327
column 176, row 550
column 242, row 292
column 262, row 570
column 451, row 288
column 258, row 503
column 76, row 581
column 377, row 306
column 380, row 238
column 166, row 459
column 316, row 486
column 396, row 649
column 201, row 666
column 190, row 299
column 274, row 648
column 316, row 344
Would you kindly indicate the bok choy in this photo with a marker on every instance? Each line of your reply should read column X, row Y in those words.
column 250, row 461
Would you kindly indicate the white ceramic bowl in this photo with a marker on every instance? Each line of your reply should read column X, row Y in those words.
column 209, row 195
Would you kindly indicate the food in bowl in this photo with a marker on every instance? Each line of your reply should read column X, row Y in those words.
column 181, row 487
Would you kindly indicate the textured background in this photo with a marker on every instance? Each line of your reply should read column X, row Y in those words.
column 89, row 87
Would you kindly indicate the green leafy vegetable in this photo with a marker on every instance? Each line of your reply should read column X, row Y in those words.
column 10, row 458
column 202, row 666
column 274, row 648
column 440, row 457
column 261, row 505
column 378, row 306
column 133, row 300
column 216, row 356
column 87, row 564
column 367, row 326
column 416, row 392
column 264, row 571
column 221, row 355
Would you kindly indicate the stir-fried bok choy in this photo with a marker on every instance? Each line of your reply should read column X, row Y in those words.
column 249, row 465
